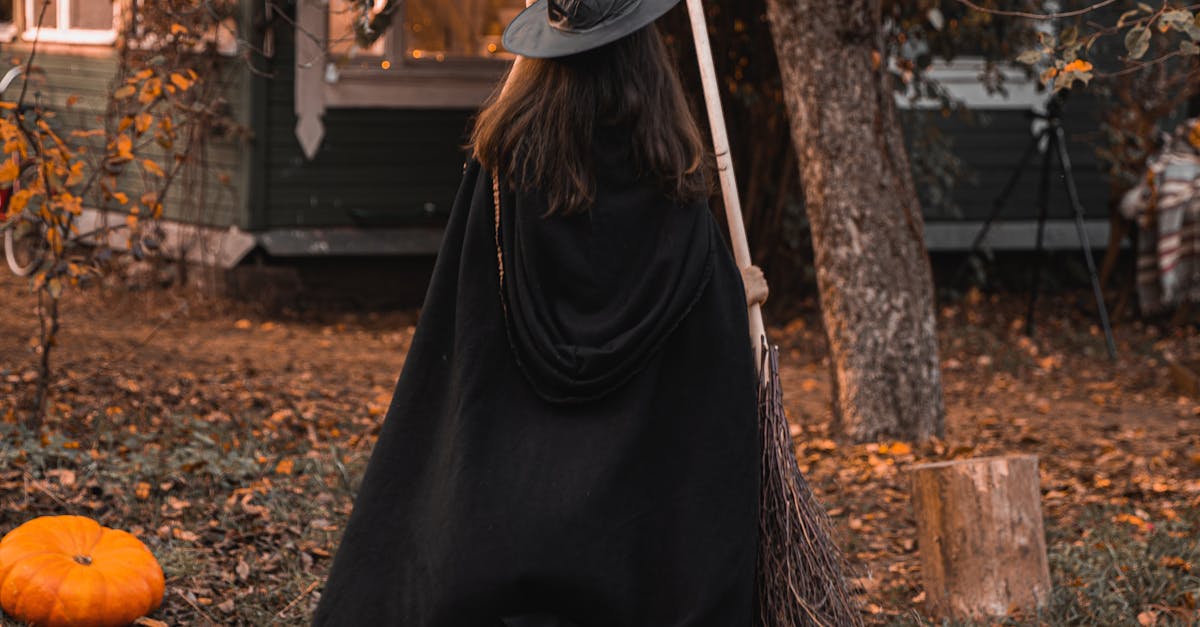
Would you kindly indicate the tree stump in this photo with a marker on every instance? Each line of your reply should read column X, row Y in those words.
column 980, row 536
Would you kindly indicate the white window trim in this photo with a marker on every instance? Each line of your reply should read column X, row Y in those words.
column 321, row 83
column 81, row 36
column 960, row 79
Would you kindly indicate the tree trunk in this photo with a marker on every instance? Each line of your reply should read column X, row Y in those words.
column 873, row 273
column 980, row 535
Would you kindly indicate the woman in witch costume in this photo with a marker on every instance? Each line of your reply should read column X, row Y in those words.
column 573, row 440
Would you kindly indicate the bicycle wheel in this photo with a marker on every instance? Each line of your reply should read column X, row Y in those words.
column 25, row 245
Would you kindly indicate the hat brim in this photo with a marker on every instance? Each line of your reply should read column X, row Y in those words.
column 531, row 35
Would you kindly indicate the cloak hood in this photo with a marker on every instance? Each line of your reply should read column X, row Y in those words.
column 590, row 297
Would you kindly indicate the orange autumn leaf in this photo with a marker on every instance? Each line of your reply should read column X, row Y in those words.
column 150, row 91
column 1135, row 521
column 75, row 176
column 19, row 201
column 70, row 203
column 153, row 168
column 45, row 128
column 9, row 171
column 284, row 467
column 143, row 122
column 54, row 238
column 125, row 92
column 1174, row 561
column 178, row 28
column 1078, row 65
column 181, row 81
column 124, row 147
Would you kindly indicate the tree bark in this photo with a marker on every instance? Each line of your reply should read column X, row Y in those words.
column 873, row 272
column 980, row 535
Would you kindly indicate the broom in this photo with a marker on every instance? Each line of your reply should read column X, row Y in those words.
column 801, row 573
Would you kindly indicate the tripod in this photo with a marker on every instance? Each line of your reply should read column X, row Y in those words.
column 1055, row 146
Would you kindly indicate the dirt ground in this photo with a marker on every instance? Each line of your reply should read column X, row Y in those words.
column 231, row 441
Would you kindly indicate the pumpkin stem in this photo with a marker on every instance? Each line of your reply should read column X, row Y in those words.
column 84, row 559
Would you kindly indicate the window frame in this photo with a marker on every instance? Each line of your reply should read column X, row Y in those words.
column 409, row 83
column 325, row 81
column 400, row 62
column 67, row 35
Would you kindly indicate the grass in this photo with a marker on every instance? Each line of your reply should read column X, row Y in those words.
column 243, row 520
column 1111, row 568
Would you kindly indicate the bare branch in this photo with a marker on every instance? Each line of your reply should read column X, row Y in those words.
column 1037, row 16
column 1136, row 66
column 32, row 54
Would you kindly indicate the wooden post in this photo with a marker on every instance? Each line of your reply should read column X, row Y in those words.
column 980, row 535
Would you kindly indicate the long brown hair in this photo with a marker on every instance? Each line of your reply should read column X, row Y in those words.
column 539, row 131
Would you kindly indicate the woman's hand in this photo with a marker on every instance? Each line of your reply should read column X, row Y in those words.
column 756, row 285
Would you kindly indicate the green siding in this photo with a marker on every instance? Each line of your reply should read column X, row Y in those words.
column 991, row 148
column 375, row 167
column 59, row 75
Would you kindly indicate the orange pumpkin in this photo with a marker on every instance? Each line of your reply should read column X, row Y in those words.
column 68, row 571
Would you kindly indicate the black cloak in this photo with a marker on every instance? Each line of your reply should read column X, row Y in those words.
column 574, row 444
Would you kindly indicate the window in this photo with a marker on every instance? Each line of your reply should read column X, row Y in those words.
column 457, row 33
column 70, row 21
column 435, row 54
column 8, row 31
column 961, row 78
column 221, row 34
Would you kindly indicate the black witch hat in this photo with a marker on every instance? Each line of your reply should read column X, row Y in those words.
column 558, row 28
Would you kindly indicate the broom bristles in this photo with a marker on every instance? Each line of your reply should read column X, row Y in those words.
column 801, row 572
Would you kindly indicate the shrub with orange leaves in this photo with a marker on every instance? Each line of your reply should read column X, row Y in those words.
column 165, row 101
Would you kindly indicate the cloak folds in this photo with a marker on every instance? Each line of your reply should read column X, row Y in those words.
column 576, row 449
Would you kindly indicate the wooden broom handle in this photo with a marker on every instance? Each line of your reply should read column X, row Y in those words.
column 720, row 137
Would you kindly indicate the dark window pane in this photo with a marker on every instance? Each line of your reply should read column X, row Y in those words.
column 91, row 14
column 47, row 10
column 6, row 10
